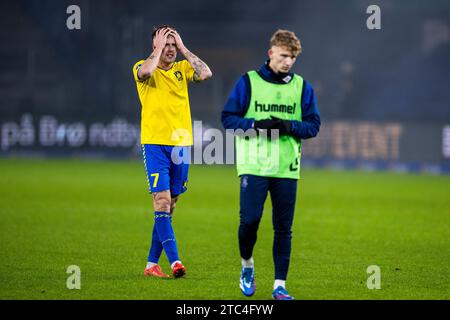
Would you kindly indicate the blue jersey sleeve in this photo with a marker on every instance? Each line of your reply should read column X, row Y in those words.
column 237, row 105
column 310, row 125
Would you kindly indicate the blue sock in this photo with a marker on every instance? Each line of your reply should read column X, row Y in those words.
column 166, row 235
column 156, row 247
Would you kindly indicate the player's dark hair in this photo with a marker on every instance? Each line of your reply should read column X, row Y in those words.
column 155, row 29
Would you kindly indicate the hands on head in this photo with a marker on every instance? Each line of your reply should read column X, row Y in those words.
column 161, row 36
column 178, row 41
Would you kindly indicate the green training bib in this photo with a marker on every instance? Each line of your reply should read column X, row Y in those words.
column 259, row 155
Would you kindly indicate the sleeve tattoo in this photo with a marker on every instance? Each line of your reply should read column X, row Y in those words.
column 199, row 66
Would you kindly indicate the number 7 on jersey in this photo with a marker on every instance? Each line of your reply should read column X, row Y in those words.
column 155, row 181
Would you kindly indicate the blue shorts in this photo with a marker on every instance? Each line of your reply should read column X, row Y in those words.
column 162, row 172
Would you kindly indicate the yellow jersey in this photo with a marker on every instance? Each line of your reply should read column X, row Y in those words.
column 166, row 113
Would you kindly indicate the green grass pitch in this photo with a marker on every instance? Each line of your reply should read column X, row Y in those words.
column 98, row 215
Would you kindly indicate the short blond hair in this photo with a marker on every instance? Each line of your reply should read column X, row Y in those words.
column 286, row 39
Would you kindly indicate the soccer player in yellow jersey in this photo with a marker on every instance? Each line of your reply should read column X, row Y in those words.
column 166, row 135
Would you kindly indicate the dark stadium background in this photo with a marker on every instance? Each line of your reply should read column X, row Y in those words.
column 73, row 190
column 383, row 94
